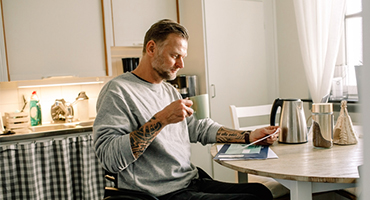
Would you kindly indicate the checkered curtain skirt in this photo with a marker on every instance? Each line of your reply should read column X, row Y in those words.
column 53, row 169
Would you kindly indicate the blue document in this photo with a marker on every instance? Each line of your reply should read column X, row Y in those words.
column 242, row 152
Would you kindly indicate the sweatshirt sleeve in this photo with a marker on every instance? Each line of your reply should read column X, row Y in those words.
column 111, row 130
column 203, row 130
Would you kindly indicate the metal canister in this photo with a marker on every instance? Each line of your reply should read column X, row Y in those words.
column 191, row 84
column 322, row 125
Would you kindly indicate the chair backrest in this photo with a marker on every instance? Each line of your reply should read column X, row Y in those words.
column 249, row 111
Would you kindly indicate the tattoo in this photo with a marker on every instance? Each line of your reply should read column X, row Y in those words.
column 144, row 136
column 225, row 135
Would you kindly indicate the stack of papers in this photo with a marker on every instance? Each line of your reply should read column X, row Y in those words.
column 243, row 152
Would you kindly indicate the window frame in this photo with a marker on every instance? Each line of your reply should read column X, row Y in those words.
column 351, row 91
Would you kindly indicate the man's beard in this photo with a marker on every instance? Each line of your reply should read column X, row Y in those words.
column 158, row 66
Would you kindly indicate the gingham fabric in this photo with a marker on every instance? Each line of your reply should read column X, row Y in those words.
column 65, row 168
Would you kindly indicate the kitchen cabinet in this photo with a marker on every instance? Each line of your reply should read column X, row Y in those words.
column 3, row 65
column 235, row 57
column 132, row 18
column 239, row 71
column 54, row 38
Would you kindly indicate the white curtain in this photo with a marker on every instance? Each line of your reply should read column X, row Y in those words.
column 319, row 25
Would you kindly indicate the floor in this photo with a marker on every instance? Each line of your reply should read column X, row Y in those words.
column 334, row 195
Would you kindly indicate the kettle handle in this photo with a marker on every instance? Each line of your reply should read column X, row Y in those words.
column 278, row 102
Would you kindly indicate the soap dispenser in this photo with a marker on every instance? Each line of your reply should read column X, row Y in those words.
column 35, row 110
column 82, row 103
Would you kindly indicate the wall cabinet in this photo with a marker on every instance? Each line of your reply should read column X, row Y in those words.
column 3, row 63
column 54, row 38
column 132, row 18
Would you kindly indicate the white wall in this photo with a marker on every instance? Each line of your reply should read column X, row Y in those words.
column 292, row 79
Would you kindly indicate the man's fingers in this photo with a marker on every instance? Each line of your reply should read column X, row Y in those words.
column 189, row 111
column 188, row 102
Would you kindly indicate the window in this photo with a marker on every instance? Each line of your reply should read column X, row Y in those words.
column 351, row 55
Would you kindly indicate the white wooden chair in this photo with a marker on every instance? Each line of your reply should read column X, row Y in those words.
column 249, row 112
column 277, row 189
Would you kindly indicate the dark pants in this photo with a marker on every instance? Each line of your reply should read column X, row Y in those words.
column 205, row 188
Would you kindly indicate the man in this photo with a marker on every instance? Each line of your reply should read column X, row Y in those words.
column 143, row 127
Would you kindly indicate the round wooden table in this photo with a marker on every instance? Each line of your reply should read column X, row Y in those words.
column 304, row 169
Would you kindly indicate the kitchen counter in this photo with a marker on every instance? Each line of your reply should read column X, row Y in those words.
column 49, row 130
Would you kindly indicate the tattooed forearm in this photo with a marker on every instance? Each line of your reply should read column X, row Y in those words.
column 225, row 135
column 141, row 138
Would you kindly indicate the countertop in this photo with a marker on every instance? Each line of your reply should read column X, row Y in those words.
column 49, row 130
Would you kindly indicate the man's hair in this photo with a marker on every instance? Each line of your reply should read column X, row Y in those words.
column 159, row 31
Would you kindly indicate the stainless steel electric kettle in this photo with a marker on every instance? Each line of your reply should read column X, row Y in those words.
column 293, row 127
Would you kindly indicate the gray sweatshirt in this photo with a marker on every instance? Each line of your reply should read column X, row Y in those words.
column 126, row 103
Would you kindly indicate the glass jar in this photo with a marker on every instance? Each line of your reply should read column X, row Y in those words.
column 322, row 125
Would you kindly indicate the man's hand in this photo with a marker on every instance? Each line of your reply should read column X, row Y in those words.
column 175, row 112
column 262, row 132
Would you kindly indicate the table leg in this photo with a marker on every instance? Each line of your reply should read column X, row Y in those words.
column 242, row 177
column 299, row 190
